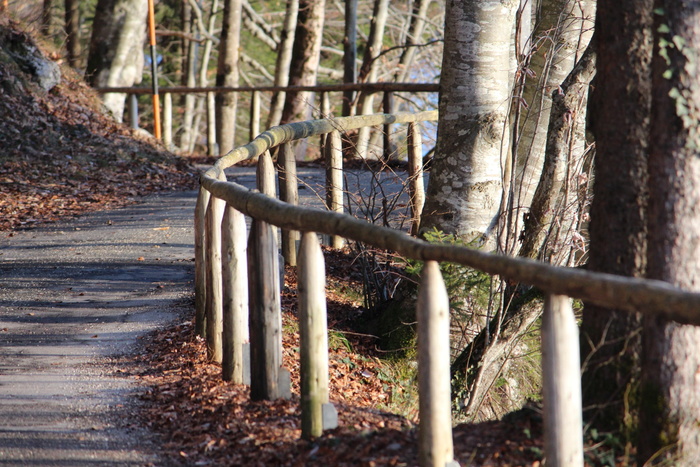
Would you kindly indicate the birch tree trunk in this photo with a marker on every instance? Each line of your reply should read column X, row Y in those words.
column 413, row 37
column 670, row 408
column 284, row 59
column 227, row 75
column 189, row 79
column 368, row 72
column 550, row 226
column 464, row 192
column 305, row 59
column 116, row 48
column 563, row 32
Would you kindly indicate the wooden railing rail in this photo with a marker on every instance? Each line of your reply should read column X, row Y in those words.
column 365, row 87
column 254, row 122
column 560, row 359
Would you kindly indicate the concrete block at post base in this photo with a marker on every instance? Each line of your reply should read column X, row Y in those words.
column 246, row 363
column 284, row 384
column 329, row 416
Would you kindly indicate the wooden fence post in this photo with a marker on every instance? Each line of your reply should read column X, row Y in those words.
column 435, row 404
column 200, row 269
column 289, row 193
column 317, row 414
column 212, row 146
column 265, row 175
column 416, row 189
column 235, row 362
column 325, row 112
column 561, row 381
column 133, row 111
column 254, row 115
column 334, row 179
column 168, row 121
column 388, row 103
column 268, row 380
column 214, row 309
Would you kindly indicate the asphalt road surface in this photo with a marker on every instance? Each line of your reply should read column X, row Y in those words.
column 72, row 295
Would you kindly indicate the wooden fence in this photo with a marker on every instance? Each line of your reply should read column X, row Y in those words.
column 388, row 90
column 237, row 290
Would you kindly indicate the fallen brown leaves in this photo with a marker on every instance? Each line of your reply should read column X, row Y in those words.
column 205, row 421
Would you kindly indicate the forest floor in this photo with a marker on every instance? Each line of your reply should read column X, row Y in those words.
column 61, row 157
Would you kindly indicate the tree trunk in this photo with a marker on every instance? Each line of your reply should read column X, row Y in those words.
column 413, row 37
column 368, row 72
column 562, row 34
column 670, row 406
column 284, row 58
column 189, row 79
column 551, row 222
column 116, row 48
column 464, row 192
column 305, row 59
column 227, row 75
column 46, row 17
column 72, row 28
column 349, row 54
column 620, row 121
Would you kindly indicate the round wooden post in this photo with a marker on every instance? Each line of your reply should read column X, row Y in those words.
column 212, row 146
column 334, row 180
column 214, row 308
column 133, row 111
column 234, row 270
column 289, row 193
column 435, row 404
column 416, row 188
column 388, row 108
column 200, row 254
column 313, row 335
column 267, row 380
column 561, row 384
column 265, row 175
column 325, row 112
column 168, row 120
column 254, row 115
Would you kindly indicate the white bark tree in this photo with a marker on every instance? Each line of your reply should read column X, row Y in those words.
column 563, row 31
column 116, row 48
column 227, row 75
column 465, row 188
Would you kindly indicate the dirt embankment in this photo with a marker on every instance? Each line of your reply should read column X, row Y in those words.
column 60, row 153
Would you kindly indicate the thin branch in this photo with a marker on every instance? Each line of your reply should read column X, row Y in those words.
column 245, row 58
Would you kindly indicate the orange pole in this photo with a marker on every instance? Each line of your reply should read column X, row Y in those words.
column 154, row 69
column 4, row 6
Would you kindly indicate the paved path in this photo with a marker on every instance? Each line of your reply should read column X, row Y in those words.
column 74, row 294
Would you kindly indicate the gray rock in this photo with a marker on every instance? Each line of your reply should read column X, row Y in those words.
column 30, row 60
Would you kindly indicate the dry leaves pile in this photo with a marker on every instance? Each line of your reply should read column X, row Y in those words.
column 205, row 421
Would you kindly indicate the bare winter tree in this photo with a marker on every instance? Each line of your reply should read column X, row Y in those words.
column 227, row 75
